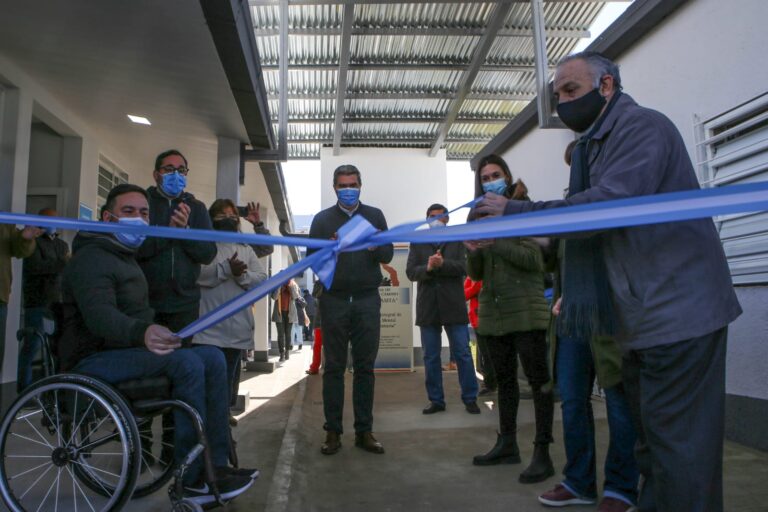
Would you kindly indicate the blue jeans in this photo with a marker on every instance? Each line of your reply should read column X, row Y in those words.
column 575, row 378
column 458, row 341
column 198, row 377
column 297, row 335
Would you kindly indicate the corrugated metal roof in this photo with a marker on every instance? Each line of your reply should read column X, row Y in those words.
column 406, row 65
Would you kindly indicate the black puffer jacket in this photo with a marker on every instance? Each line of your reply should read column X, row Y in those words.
column 106, row 302
column 173, row 266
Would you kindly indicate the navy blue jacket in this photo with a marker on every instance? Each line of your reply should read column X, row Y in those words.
column 173, row 266
column 670, row 281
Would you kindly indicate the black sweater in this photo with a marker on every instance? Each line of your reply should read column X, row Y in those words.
column 357, row 271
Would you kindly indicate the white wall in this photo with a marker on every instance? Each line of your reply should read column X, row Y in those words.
column 78, row 151
column 706, row 58
column 401, row 182
column 538, row 160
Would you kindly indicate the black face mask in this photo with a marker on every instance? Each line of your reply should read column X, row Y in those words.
column 579, row 114
column 226, row 224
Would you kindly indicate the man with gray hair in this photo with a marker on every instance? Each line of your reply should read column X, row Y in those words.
column 351, row 311
column 671, row 294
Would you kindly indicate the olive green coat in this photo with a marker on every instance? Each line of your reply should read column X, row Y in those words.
column 512, row 297
column 605, row 350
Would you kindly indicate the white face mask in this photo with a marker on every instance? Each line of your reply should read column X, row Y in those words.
column 436, row 223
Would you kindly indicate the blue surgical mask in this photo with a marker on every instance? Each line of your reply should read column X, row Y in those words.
column 50, row 231
column 498, row 186
column 131, row 240
column 174, row 183
column 348, row 196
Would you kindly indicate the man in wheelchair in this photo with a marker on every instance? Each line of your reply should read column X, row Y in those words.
column 109, row 335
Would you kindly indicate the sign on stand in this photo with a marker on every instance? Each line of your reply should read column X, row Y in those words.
column 396, row 341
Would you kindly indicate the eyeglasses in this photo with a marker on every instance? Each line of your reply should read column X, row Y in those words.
column 168, row 169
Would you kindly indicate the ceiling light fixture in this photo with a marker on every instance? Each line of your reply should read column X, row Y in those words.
column 139, row 120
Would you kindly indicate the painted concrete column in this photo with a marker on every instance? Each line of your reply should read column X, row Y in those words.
column 228, row 169
column 16, row 121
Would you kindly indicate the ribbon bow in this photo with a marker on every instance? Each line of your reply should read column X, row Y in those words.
column 353, row 235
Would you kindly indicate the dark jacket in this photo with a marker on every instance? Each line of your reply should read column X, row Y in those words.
column 311, row 308
column 440, row 291
column 173, row 266
column 42, row 271
column 12, row 244
column 512, row 296
column 262, row 250
column 359, row 271
column 106, row 299
column 670, row 281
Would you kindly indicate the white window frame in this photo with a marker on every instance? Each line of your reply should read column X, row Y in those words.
column 113, row 174
column 732, row 147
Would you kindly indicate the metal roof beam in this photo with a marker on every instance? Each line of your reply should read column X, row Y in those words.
column 341, row 80
column 405, row 95
column 256, row 3
column 408, row 66
column 420, row 140
column 282, row 130
column 402, row 120
column 496, row 21
column 419, row 31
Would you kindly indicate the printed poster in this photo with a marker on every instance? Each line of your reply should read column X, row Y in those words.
column 396, row 290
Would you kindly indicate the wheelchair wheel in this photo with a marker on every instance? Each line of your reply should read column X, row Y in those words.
column 155, row 472
column 61, row 441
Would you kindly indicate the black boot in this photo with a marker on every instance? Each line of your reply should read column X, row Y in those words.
column 505, row 451
column 540, row 467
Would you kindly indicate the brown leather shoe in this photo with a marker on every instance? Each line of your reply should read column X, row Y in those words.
column 332, row 443
column 367, row 442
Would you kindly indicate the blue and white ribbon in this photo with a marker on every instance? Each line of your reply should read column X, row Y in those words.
column 359, row 234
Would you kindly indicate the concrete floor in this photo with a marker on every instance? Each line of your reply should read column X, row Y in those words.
column 428, row 461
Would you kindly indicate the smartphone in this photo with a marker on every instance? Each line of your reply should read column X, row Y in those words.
column 242, row 211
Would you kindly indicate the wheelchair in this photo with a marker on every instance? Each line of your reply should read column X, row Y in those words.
column 73, row 442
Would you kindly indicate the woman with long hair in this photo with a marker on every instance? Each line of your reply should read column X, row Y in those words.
column 513, row 317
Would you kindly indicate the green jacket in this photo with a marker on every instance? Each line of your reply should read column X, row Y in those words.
column 605, row 350
column 512, row 297
column 12, row 244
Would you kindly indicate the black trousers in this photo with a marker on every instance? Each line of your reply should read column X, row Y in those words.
column 349, row 321
column 485, row 366
column 677, row 396
column 531, row 346
column 284, row 333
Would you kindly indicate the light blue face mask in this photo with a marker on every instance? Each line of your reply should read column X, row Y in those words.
column 348, row 196
column 498, row 186
column 174, row 183
column 131, row 240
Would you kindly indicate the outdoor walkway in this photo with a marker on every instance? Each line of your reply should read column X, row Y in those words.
column 428, row 461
